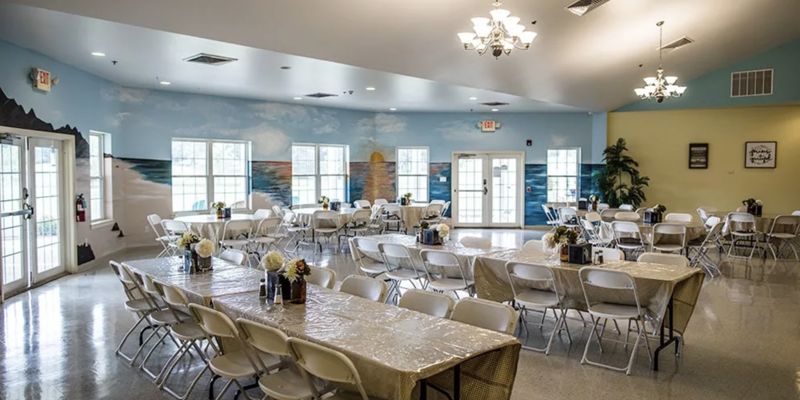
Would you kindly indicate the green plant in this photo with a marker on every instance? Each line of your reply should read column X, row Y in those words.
column 619, row 182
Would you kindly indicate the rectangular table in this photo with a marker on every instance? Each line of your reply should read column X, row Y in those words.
column 225, row 277
column 392, row 348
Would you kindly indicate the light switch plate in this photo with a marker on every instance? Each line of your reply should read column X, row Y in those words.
column 442, row 179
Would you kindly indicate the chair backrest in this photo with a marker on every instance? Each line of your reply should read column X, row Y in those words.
column 434, row 209
column 703, row 214
column 362, row 286
column 321, row 276
column 529, row 275
column 262, row 213
column 155, row 221
column 147, row 284
column 609, row 213
column 325, row 219
column 366, row 244
column 172, row 295
column 326, row 364
column 567, row 213
column 547, row 213
column 533, row 246
column 587, row 226
column 361, row 216
column 264, row 338
column 436, row 304
column 593, row 217
column 213, row 322
column 440, row 258
column 485, row 314
column 239, row 227
column 741, row 209
column 445, row 208
column 796, row 212
column 669, row 229
column 380, row 201
column 678, row 217
column 664, row 259
column 624, row 227
column 276, row 209
column 711, row 221
column 234, row 256
column 266, row 226
column 741, row 217
column 627, row 216
column 782, row 221
column 361, row 204
column 626, row 207
column 393, row 252
column 173, row 227
column 606, row 279
column 476, row 242
column 128, row 284
column 602, row 206
column 437, row 202
column 609, row 253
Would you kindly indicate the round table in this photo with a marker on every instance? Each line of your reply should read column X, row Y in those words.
column 209, row 222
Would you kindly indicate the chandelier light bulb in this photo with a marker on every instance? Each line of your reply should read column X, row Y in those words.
column 466, row 37
column 671, row 79
column 527, row 37
column 502, row 33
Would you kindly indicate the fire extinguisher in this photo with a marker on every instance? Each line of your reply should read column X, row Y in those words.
column 80, row 208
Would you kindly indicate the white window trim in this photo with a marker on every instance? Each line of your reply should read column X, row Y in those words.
column 106, row 184
column 209, row 175
column 427, row 170
column 317, row 175
column 577, row 175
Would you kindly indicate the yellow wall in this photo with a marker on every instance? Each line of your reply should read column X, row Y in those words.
column 659, row 141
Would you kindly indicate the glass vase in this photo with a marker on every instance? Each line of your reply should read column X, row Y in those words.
column 298, row 292
column 564, row 251
column 220, row 213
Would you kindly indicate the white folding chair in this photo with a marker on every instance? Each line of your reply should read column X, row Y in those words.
column 741, row 227
column 703, row 214
column 397, row 259
column 236, row 235
column 322, row 276
column 277, row 211
column 551, row 219
column 445, row 209
column 361, row 204
column 534, row 286
column 360, row 223
column 365, row 287
column 433, row 213
column 610, row 254
column 368, row 257
column 626, row 207
column 594, row 234
column 485, row 314
column 663, row 259
column 476, row 242
column 329, row 365
column 138, row 303
column 162, row 238
column 569, row 218
column 784, row 228
column 173, row 230
column 234, row 256
column 325, row 224
column 628, row 237
column 533, row 247
column 445, row 272
column 698, row 253
column 262, row 213
column 435, row 304
column 627, row 216
column 380, row 201
column 392, row 215
column 615, row 281
column 266, row 236
column 297, row 230
column 602, row 206
column 668, row 232
column 609, row 214
column 678, row 217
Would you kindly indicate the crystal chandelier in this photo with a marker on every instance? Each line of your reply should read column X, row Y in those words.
column 660, row 87
column 502, row 33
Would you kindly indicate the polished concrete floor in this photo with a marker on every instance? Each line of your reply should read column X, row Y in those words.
column 743, row 342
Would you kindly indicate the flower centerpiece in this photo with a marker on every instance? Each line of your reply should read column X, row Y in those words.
column 272, row 263
column 293, row 280
column 655, row 214
column 204, row 249
column 754, row 206
column 187, row 242
column 219, row 206
column 660, row 208
column 325, row 201
column 593, row 199
column 561, row 239
column 444, row 231
column 406, row 200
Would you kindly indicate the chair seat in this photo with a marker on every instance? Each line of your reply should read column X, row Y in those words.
column 537, row 298
column 668, row 247
column 287, row 384
column 600, row 241
column 553, row 223
column 234, row 242
column 236, row 365
column 168, row 238
column 264, row 240
column 139, row 305
column 327, row 231
column 613, row 311
column 402, row 274
column 779, row 235
column 450, row 284
column 348, row 396
column 740, row 233
column 188, row 331
column 375, row 268
column 166, row 317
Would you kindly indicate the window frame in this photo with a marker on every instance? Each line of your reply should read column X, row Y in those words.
column 209, row 171
column 318, row 171
column 427, row 171
column 577, row 175
column 104, row 179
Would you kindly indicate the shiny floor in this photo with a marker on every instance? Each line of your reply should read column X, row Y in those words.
column 743, row 342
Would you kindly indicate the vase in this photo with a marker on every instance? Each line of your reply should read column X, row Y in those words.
column 564, row 249
column 220, row 213
column 203, row 263
column 286, row 287
column 272, row 283
column 298, row 292
column 594, row 206
column 325, row 206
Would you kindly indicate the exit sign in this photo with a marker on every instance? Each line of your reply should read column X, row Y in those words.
column 41, row 79
column 488, row 126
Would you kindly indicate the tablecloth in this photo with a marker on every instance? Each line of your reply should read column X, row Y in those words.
column 655, row 283
column 210, row 227
column 412, row 214
column 694, row 230
column 392, row 348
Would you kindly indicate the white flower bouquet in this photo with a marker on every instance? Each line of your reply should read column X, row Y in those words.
column 273, row 261
column 186, row 240
column 205, row 248
column 444, row 230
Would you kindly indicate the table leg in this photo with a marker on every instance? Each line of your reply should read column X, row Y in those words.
column 457, row 382
column 672, row 338
column 423, row 389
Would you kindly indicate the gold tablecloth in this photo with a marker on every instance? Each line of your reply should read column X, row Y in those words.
column 225, row 278
column 412, row 214
column 391, row 347
column 655, row 284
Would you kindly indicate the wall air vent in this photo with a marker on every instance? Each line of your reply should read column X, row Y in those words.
column 752, row 83
column 495, row 104
column 582, row 7
column 320, row 95
column 209, row 59
column 675, row 45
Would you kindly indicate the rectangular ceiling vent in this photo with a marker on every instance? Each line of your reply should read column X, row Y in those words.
column 495, row 104
column 677, row 44
column 209, row 59
column 582, row 7
column 321, row 95
column 752, row 83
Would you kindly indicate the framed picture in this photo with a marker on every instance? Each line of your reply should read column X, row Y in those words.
column 760, row 154
column 698, row 155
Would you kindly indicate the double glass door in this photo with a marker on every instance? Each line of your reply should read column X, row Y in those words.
column 487, row 189
column 31, row 207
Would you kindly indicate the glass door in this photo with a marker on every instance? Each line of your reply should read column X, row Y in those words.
column 488, row 189
column 13, row 223
column 44, row 178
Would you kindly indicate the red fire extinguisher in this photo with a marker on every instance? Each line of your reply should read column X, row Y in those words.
column 80, row 208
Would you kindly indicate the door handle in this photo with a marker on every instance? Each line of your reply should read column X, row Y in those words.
column 485, row 190
column 28, row 209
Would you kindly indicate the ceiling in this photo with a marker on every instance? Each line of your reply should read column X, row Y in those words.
column 407, row 49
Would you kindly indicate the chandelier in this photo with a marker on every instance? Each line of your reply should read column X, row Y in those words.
column 502, row 33
column 660, row 87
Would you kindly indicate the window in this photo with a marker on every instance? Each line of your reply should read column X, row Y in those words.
column 97, row 178
column 562, row 175
column 196, row 182
column 412, row 172
column 318, row 170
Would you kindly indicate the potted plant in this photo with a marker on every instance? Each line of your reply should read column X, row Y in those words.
column 325, row 201
column 219, row 206
column 406, row 200
column 593, row 199
column 560, row 240
column 293, row 280
column 655, row 214
column 619, row 180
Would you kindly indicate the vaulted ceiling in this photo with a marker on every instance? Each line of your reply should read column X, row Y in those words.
column 407, row 46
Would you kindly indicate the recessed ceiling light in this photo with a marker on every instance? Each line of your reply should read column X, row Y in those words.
column 495, row 110
column 392, row 109
column 165, row 83
column 298, row 98
column 286, row 67
column 473, row 98
column 370, row 88
column 98, row 54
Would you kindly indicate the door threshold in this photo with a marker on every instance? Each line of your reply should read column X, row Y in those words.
column 13, row 293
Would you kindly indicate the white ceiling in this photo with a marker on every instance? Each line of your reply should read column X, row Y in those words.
column 588, row 62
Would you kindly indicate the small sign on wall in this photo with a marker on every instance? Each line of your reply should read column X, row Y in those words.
column 698, row 156
column 489, row 126
column 41, row 79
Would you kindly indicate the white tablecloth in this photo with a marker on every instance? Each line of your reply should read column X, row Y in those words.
column 209, row 226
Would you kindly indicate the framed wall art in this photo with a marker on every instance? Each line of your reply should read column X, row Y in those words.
column 760, row 154
column 698, row 155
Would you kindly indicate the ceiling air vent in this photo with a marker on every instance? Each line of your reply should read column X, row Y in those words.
column 581, row 7
column 209, row 59
column 495, row 104
column 677, row 44
column 320, row 95
column 752, row 83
